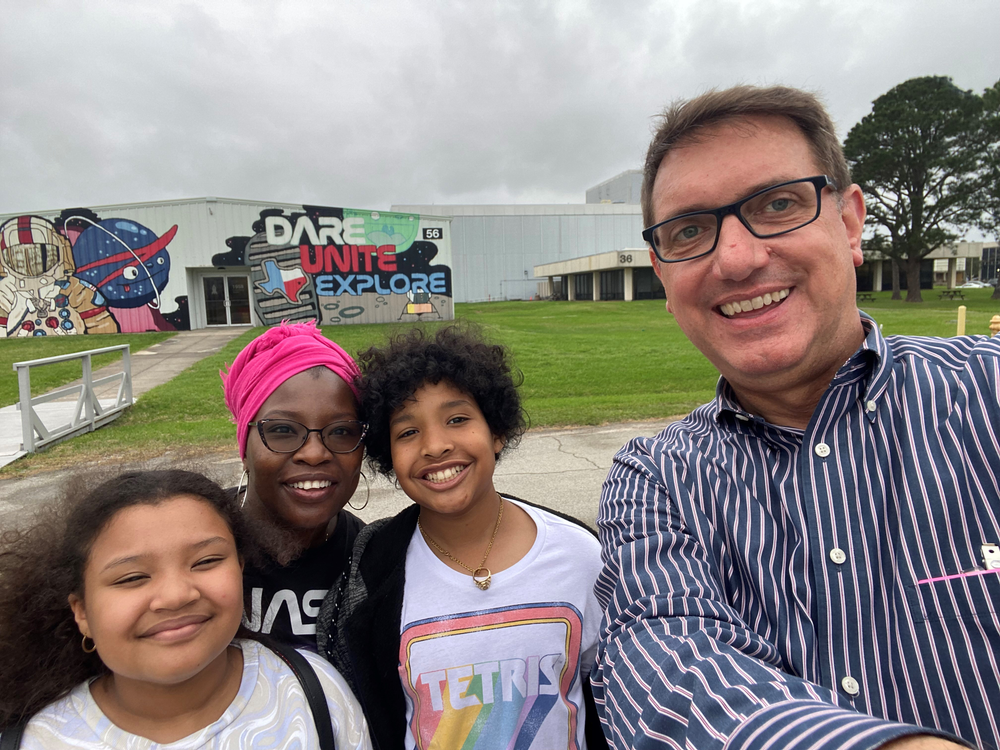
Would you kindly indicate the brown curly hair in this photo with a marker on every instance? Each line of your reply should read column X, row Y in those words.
column 41, row 658
column 457, row 353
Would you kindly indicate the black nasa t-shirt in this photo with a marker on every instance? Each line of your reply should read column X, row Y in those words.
column 284, row 602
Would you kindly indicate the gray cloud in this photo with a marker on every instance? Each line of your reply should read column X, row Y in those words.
column 416, row 102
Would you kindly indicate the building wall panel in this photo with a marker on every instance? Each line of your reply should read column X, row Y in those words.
column 139, row 267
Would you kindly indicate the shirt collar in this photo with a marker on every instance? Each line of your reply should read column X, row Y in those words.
column 872, row 360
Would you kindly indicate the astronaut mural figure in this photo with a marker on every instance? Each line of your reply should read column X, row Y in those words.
column 39, row 293
column 130, row 266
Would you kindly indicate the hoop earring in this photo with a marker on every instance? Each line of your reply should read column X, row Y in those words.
column 244, row 487
column 83, row 645
column 368, row 495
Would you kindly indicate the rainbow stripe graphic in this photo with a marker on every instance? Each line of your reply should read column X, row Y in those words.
column 494, row 680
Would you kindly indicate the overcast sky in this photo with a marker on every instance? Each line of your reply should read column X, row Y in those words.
column 366, row 104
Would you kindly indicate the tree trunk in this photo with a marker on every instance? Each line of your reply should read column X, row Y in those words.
column 913, row 279
column 895, row 279
column 996, row 291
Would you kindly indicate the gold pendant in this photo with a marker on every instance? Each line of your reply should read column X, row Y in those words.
column 483, row 582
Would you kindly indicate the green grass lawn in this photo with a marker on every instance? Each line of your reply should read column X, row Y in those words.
column 49, row 377
column 583, row 363
column 933, row 316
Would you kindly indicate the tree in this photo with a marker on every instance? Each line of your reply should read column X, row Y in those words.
column 990, row 221
column 919, row 157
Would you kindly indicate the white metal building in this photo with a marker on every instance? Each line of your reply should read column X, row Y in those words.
column 211, row 261
column 496, row 248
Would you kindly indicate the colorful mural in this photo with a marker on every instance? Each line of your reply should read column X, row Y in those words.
column 134, row 268
column 81, row 274
column 341, row 265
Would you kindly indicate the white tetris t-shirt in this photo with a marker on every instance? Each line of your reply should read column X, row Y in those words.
column 501, row 668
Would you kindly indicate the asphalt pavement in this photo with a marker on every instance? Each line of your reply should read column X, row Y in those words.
column 560, row 468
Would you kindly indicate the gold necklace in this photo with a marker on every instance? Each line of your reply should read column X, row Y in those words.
column 482, row 581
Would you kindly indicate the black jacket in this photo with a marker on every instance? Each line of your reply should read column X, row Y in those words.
column 359, row 622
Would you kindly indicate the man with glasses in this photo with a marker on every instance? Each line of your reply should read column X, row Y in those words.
column 813, row 558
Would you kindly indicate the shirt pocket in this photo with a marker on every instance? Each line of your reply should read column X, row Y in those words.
column 955, row 597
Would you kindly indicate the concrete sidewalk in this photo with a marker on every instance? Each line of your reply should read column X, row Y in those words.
column 561, row 468
column 151, row 367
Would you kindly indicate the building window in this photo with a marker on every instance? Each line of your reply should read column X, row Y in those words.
column 558, row 287
column 613, row 284
column 990, row 267
column 583, row 286
column 646, row 285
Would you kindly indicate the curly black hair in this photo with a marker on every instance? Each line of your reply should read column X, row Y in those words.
column 457, row 353
column 41, row 658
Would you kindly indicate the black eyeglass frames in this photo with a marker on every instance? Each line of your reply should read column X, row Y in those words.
column 287, row 436
column 770, row 212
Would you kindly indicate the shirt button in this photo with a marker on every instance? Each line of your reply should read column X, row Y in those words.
column 838, row 556
column 822, row 450
column 850, row 685
column 871, row 406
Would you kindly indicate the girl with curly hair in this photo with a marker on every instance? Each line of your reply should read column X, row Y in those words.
column 469, row 619
column 118, row 621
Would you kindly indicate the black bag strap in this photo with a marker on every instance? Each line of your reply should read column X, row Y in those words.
column 11, row 737
column 306, row 675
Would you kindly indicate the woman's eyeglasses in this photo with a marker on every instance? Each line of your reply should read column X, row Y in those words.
column 287, row 436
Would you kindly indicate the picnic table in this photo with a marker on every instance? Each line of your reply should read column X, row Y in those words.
column 952, row 294
column 866, row 297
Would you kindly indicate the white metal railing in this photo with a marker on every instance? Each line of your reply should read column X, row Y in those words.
column 88, row 413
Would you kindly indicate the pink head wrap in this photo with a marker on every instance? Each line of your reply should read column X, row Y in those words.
column 271, row 359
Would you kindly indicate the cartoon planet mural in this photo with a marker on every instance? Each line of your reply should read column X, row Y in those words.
column 125, row 261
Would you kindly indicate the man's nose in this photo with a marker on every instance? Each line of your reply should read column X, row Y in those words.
column 738, row 252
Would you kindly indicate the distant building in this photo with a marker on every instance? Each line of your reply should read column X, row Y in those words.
column 949, row 265
column 496, row 249
column 623, row 188
column 215, row 262
column 204, row 262
column 620, row 273
column 989, row 263
column 625, row 274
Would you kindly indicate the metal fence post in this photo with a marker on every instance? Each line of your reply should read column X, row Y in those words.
column 127, row 369
column 88, row 391
column 88, row 412
column 24, row 394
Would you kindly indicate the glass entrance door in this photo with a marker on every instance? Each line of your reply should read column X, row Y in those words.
column 227, row 300
column 238, row 288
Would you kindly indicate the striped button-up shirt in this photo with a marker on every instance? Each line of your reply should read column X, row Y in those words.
column 769, row 587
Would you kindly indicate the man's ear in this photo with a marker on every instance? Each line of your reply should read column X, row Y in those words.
column 79, row 614
column 852, row 213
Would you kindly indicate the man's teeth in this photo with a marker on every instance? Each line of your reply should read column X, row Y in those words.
column 731, row 308
column 444, row 475
column 311, row 484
